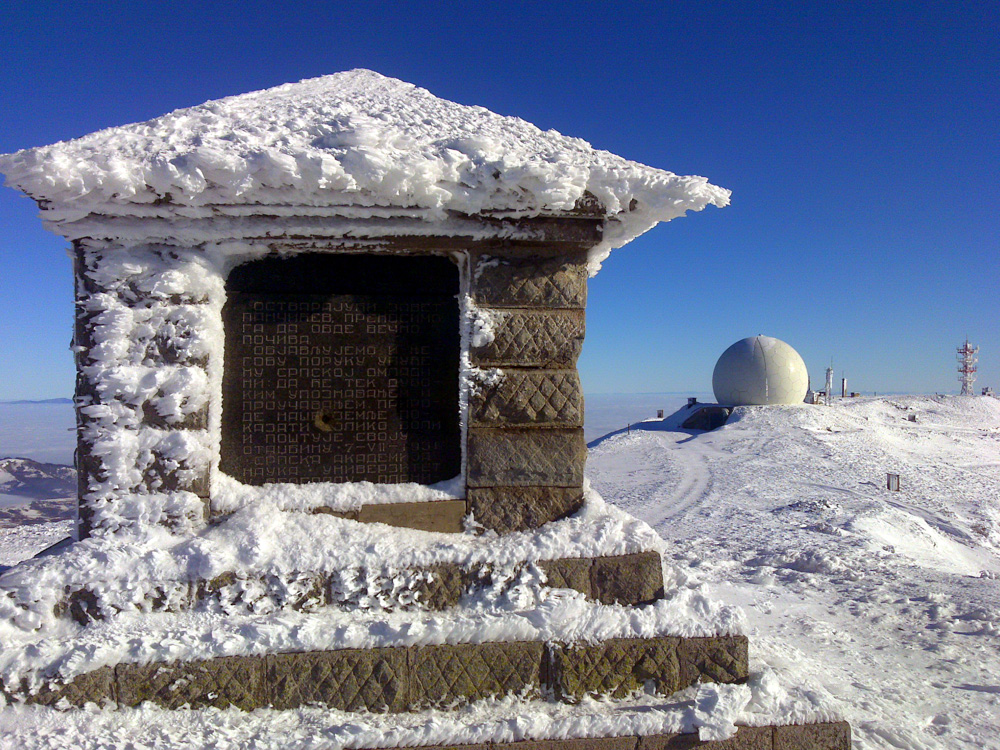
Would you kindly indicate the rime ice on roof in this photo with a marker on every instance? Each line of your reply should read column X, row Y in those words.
column 355, row 139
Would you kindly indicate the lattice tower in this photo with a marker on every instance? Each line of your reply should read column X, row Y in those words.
column 967, row 359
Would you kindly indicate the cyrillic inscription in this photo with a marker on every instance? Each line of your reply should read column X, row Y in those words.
column 341, row 387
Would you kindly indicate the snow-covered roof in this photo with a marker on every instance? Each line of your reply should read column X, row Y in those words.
column 354, row 138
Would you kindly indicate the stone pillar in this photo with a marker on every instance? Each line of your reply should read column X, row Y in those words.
column 142, row 393
column 526, row 452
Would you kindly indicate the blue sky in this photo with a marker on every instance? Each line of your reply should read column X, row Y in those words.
column 861, row 142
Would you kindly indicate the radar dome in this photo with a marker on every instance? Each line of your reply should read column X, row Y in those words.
column 760, row 370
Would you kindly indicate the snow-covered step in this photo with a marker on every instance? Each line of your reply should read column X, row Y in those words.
column 631, row 579
column 403, row 679
column 818, row 736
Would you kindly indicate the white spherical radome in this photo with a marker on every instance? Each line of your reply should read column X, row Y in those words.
column 759, row 371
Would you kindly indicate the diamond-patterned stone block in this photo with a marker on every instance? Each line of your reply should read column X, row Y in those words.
column 90, row 687
column 528, row 338
column 226, row 681
column 530, row 397
column 526, row 457
column 579, row 743
column 721, row 658
column 746, row 738
column 347, row 679
column 551, row 282
column 827, row 736
column 441, row 586
column 627, row 579
column 444, row 675
column 507, row 509
column 669, row 742
column 616, row 667
column 568, row 573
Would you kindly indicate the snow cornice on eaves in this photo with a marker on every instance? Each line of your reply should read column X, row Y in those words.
column 344, row 142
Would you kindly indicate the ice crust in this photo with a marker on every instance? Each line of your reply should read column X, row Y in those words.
column 371, row 146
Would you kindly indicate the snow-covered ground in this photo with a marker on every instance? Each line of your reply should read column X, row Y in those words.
column 610, row 412
column 890, row 601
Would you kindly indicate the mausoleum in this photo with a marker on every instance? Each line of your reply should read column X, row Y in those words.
column 326, row 343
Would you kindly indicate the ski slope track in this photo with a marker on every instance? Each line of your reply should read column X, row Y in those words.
column 887, row 601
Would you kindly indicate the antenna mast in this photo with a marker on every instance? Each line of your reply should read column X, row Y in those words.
column 967, row 359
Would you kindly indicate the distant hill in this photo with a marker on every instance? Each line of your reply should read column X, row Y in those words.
column 49, row 492
column 42, row 401
column 27, row 478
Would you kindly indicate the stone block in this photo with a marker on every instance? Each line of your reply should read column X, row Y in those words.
column 580, row 743
column 90, row 687
column 443, row 515
column 525, row 457
column 167, row 475
column 627, row 579
column 528, row 338
column 670, row 742
column 197, row 420
column 531, row 281
column 721, row 658
column 746, row 738
column 826, row 736
column 530, row 397
column 442, row 586
column 347, row 679
column 300, row 593
column 84, row 607
column 568, row 573
column 350, row 515
column 616, row 667
column 507, row 509
column 226, row 681
column 445, row 675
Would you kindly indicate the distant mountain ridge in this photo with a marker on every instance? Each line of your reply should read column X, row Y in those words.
column 28, row 478
column 49, row 492
column 41, row 401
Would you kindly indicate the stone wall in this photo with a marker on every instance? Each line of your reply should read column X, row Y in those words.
column 143, row 352
column 146, row 345
column 525, row 451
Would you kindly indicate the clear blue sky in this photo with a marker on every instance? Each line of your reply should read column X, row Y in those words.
column 861, row 142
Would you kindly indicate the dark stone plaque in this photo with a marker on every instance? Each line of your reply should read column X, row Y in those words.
column 341, row 368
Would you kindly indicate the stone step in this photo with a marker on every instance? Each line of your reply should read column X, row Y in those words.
column 632, row 579
column 820, row 736
column 501, row 509
column 400, row 679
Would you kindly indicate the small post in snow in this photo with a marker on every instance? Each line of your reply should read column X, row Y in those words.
column 892, row 482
